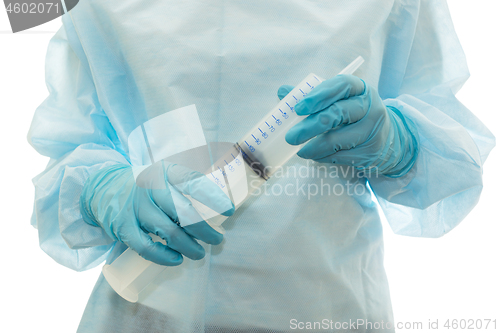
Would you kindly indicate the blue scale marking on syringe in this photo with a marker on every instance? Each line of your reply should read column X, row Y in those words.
column 229, row 166
column 257, row 141
column 284, row 114
column 279, row 122
column 217, row 180
column 271, row 128
column 290, row 103
column 250, row 147
column 222, row 171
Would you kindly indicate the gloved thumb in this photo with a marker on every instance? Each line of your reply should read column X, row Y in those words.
column 284, row 90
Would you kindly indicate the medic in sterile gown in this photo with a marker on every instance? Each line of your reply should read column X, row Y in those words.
column 309, row 246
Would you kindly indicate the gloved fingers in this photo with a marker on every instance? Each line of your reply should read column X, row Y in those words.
column 347, row 157
column 343, row 112
column 185, row 210
column 364, row 155
column 177, row 239
column 156, row 252
column 192, row 222
column 326, row 144
column 200, row 188
column 154, row 220
column 284, row 90
column 164, row 200
column 204, row 232
column 329, row 92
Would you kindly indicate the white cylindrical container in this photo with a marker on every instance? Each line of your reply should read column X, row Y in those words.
column 238, row 173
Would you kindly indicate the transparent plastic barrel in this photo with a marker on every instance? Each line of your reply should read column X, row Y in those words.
column 240, row 172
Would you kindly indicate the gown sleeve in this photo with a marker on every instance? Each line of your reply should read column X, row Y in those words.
column 423, row 68
column 70, row 128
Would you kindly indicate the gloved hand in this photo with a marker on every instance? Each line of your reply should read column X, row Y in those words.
column 347, row 123
column 128, row 209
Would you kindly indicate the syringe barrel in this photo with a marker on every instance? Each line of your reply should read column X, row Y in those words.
column 264, row 150
column 266, row 142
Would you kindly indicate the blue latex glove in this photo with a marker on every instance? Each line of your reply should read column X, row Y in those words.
column 128, row 209
column 349, row 124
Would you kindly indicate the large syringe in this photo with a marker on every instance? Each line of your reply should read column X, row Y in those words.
column 239, row 172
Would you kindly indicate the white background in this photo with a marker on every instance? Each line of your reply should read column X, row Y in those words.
column 456, row 276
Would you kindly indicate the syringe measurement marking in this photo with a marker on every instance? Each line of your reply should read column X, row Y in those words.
column 217, row 180
column 252, row 149
column 229, row 166
column 271, row 128
column 257, row 141
column 223, row 173
column 278, row 121
column 235, row 159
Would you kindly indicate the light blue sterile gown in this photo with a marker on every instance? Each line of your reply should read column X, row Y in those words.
column 116, row 64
